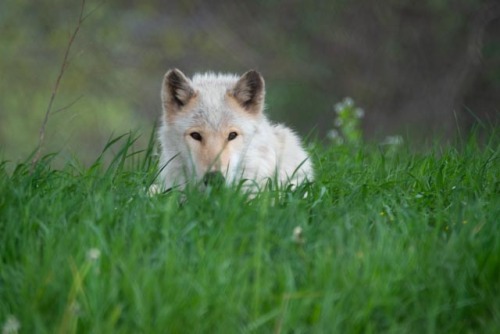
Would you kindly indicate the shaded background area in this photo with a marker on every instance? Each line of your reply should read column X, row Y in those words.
column 425, row 69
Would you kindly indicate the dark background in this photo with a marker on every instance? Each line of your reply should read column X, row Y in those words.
column 426, row 70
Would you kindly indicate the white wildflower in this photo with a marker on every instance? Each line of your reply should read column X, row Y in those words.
column 348, row 102
column 333, row 134
column 75, row 308
column 154, row 190
column 93, row 254
column 298, row 235
column 360, row 113
column 11, row 325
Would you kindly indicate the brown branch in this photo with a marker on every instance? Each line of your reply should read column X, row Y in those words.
column 64, row 64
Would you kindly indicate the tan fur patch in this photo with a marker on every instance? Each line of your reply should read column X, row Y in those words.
column 213, row 152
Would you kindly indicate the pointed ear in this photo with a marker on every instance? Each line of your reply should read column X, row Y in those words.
column 176, row 91
column 249, row 92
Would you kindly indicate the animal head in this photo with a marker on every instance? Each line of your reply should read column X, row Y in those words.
column 211, row 119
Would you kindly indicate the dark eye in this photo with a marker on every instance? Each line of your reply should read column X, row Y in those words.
column 195, row 136
column 232, row 135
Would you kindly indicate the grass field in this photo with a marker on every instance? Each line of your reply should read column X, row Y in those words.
column 387, row 240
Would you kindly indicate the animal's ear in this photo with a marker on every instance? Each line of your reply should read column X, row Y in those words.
column 249, row 91
column 176, row 91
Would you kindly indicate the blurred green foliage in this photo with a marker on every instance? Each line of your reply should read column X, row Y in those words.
column 406, row 63
column 92, row 101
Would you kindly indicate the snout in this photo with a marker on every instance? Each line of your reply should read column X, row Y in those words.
column 214, row 179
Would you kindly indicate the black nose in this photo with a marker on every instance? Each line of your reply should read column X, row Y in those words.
column 213, row 179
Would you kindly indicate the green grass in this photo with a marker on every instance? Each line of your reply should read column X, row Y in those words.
column 392, row 241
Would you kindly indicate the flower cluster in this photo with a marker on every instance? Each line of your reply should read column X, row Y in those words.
column 347, row 123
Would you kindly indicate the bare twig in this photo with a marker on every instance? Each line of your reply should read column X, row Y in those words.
column 66, row 107
column 64, row 64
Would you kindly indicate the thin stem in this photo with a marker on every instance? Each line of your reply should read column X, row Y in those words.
column 64, row 64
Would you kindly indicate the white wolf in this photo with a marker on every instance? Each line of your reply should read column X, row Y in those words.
column 214, row 125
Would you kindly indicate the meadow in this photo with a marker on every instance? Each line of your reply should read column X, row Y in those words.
column 386, row 240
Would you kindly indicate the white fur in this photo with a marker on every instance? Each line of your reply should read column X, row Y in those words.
column 266, row 151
